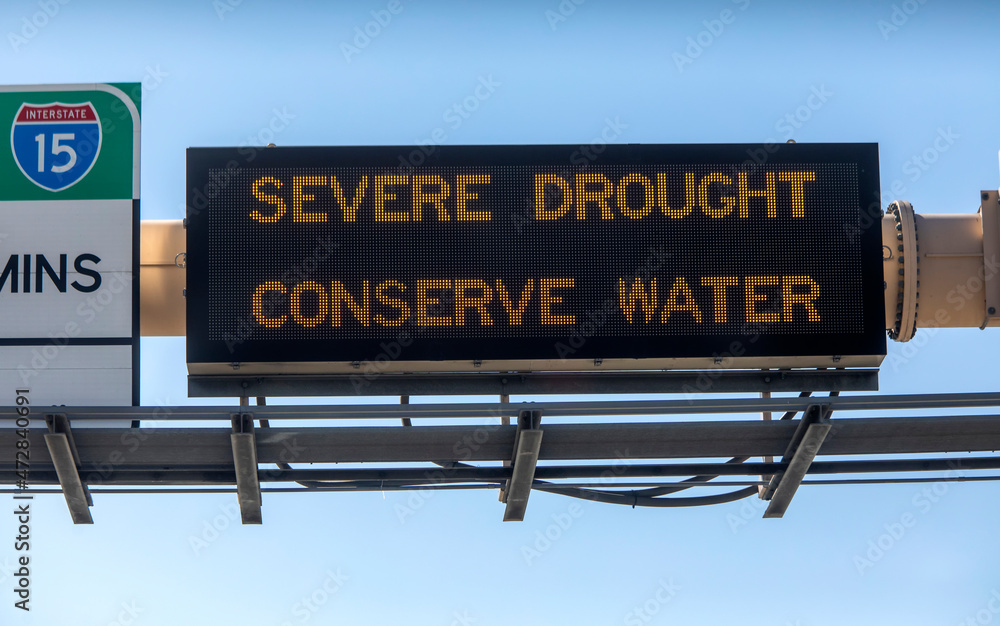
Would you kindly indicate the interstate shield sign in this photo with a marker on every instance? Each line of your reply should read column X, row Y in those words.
column 55, row 145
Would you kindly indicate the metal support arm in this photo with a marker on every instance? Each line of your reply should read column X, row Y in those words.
column 66, row 460
column 245, row 461
column 527, row 444
column 805, row 444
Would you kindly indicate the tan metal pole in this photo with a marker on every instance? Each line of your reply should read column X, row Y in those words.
column 957, row 255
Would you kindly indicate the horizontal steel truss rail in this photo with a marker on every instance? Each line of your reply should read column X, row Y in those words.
column 390, row 477
column 512, row 409
column 354, row 486
column 102, row 451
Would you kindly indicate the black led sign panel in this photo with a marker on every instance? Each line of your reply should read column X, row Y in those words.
column 503, row 258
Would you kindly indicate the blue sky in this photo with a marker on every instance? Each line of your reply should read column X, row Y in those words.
column 902, row 74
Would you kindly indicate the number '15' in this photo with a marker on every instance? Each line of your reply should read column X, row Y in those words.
column 57, row 149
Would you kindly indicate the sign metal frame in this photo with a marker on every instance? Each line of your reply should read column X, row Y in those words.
column 211, row 170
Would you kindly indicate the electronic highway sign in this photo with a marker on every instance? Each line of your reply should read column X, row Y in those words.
column 533, row 258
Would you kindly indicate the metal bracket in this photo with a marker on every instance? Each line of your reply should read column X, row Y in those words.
column 908, row 280
column 990, row 212
column 66, row 459
column 802, row 449
column 766, row 416
column 527, row 443
column 245, row 461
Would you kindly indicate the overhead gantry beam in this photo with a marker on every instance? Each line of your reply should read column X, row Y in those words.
column 164, row 447
column 381, row 478
column 66, row 460
column 213, row 456
column 954, row 248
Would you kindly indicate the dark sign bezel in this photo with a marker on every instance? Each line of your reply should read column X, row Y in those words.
column 866, row 348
